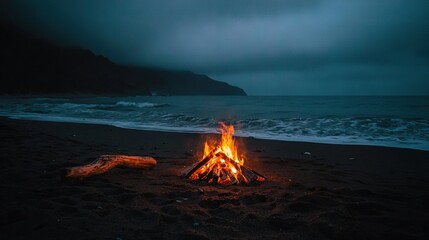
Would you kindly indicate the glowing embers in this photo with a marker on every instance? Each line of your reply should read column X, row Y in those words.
column 221, row 163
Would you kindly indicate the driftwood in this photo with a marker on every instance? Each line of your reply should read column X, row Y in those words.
column 106, row 162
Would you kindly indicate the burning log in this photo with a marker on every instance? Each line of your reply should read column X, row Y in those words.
column 259, row 175
column 221, row 164
column 248, row 175
column 189, row 171
column 106, row 162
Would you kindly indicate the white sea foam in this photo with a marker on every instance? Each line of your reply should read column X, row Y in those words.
column 252, row 118
column 141, row 104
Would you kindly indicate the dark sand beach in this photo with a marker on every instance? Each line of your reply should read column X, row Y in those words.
column 337, row 192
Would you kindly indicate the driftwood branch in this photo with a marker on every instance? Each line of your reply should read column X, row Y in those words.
column 106, row 162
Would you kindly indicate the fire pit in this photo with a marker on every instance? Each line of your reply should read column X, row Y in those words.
column 221, row 163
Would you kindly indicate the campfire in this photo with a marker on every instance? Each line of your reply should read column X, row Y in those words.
column 221, row 163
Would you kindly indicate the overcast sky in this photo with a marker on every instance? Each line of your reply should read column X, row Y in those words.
column 277, row 47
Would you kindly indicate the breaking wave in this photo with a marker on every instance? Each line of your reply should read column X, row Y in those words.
column 252, row 119
column 141, row 104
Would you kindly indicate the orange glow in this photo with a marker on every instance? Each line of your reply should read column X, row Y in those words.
column 222, row 162
column 226, row 145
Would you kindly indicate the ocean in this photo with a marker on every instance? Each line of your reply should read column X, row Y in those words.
column 381, row 121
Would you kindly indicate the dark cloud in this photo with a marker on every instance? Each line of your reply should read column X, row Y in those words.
column 322, row 47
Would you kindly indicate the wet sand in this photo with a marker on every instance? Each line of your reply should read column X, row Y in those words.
column 314, row 191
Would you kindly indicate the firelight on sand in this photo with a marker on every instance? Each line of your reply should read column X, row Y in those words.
column 221, row 163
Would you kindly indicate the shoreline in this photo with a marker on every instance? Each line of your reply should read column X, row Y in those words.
column 337, row 192
column 171, row 130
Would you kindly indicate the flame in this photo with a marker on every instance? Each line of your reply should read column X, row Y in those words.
column 227, row 144
column 221, row 163
column 225, row 163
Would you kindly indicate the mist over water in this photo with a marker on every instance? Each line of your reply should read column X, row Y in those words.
column 384, row 121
